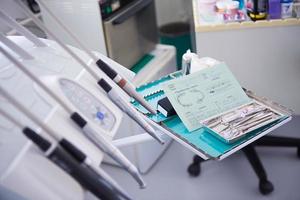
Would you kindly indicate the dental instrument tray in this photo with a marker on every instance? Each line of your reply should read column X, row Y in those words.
column 235, row 124
column 220, row 135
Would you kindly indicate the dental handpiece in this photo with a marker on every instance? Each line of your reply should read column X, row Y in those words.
column 64, row 143
column 102, row 143
column 124, row 84
column 127, row 108
column 128, row 87
column 83, row 159
column 98, row 139
column 83, row 174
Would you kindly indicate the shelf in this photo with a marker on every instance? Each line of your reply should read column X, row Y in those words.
column 240, row 25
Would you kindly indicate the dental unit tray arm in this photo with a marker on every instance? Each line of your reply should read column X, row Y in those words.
column 201, row 141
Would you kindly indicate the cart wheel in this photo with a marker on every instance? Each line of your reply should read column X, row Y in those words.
column 194, row 169
column 265, row 187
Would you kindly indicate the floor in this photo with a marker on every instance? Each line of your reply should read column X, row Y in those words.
column 232, row 178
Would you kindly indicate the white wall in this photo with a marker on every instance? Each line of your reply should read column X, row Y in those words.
column 264, row 60
column 86, row 24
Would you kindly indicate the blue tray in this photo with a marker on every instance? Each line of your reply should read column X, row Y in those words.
column 202, row 140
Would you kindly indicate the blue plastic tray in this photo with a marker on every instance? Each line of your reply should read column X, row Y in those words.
column 201, row 139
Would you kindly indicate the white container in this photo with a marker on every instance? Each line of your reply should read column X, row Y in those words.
column 207, row 6
column 286, row 10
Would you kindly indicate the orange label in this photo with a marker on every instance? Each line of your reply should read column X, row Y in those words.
column 122, row 83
